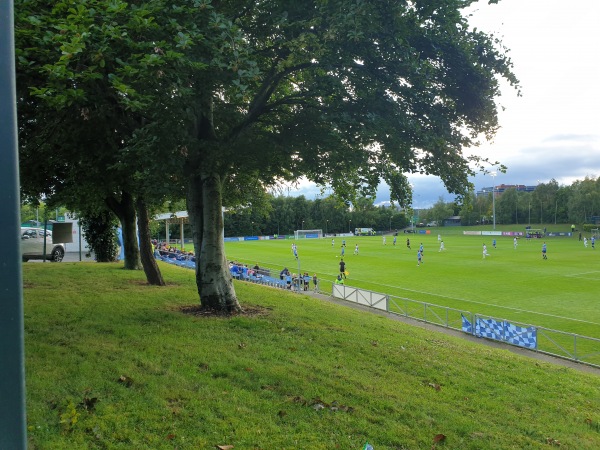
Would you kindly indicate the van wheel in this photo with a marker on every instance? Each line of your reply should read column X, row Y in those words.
column 58, row 254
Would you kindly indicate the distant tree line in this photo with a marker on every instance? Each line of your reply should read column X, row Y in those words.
column 284, row 215
column 270, row 215
column 550, row 203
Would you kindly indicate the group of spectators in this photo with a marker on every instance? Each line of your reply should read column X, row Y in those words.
column 299, row 282
column 239, row 270
column 164, row 250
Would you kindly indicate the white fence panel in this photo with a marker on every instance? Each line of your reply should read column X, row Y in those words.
column 360, row 296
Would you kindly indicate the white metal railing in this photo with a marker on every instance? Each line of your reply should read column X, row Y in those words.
column 572, row 346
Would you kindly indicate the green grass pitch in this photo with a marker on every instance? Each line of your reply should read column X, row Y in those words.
column 561, row 293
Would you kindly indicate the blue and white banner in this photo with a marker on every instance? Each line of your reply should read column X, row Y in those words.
column 521, row 336
column 489, row 328
column 466, row 325
column 501, row 331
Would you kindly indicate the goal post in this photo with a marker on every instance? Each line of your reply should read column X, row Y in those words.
column 308, row 234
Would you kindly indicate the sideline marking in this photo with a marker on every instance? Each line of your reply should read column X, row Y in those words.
column 487, row 304
column 579, row 275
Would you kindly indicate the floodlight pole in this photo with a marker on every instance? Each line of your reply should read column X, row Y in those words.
column 13, row 434
column 494, row 197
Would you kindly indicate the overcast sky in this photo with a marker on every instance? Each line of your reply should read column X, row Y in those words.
column 553, row 130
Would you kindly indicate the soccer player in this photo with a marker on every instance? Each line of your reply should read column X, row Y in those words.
column 515, row 242
column 593, row 242
column 441, row 246
column 494, row 243
column 421, row 249
column 419, row 257
column 384, row 240
column 408, row 243
column 343, row 250
column 585, row 242
column 485, row 253
column 356, row 249
column 394, row 240
column 332, row 242
column 544, row 256
column 342, row 268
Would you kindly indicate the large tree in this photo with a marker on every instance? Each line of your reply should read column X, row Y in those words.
column 344, row 92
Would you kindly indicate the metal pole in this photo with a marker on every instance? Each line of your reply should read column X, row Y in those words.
column 494, row 198
column 13, row 433
column 79, row 226
column 299, row 275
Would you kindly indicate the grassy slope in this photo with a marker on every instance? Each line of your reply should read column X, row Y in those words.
column 253, row 382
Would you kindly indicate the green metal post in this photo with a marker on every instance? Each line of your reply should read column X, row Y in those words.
column 12, row 368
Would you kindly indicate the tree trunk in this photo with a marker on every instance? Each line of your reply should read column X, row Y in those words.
column 125, row 211
column 213, row 278
column 151, row 269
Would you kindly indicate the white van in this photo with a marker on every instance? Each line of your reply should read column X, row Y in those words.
column 32, row 245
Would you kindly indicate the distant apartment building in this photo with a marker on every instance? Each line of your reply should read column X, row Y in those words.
column 498, row 190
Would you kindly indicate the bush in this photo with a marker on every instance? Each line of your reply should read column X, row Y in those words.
column 99, row 232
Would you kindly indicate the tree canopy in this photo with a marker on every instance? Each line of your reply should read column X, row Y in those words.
column 231, row 94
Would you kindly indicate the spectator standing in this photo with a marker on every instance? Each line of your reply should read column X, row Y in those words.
column 306, row 281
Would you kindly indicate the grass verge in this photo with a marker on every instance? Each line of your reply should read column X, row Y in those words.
column 114, row 363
